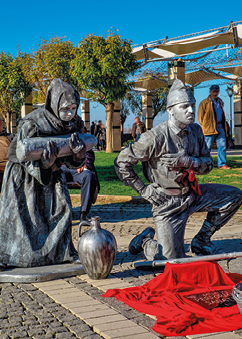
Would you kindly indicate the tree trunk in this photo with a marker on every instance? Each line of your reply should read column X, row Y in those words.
column 109, row 109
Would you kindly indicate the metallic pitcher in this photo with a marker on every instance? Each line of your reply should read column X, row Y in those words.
column 97, row 249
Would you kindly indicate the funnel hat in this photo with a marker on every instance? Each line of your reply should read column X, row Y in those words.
column 179, row 93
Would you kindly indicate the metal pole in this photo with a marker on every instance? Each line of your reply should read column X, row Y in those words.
column 223, row 256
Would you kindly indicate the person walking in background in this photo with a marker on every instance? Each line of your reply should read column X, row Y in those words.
column 102, row 137
column 96, row 132
column 138, row 128
column 211, row 117
column 92, row 128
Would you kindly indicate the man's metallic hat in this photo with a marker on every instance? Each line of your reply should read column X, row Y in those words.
column 179, row 93
column 214, row 88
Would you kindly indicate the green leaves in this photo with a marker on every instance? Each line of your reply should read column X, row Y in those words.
column 51, row 60
column 13, row 84
column 103, row 65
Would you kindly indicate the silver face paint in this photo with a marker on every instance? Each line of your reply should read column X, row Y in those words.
column 67, row 113
column 182, row 114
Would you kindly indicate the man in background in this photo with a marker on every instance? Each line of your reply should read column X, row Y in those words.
column 96, row 132
column 138, row 128
column 211, row 117
column 92, row 128
column 86, row 177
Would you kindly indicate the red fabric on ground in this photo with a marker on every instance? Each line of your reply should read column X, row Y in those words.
column 170, row 297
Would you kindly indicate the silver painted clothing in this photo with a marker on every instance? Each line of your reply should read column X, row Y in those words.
column 220, row 201
column 35, row 205
column 170, row 216
column 165, row 138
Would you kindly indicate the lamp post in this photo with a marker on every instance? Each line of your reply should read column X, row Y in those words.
column 95, row 106
column 230, row 92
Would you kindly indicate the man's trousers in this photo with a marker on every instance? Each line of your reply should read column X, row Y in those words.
column 220, row 139
column 220, row 201
column 86, row 179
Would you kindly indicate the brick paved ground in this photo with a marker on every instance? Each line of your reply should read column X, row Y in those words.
column 74, row 308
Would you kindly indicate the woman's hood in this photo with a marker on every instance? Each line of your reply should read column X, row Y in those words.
column 60, row 94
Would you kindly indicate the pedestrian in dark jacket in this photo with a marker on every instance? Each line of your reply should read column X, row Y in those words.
column 102, row 136
column 92, row 128
column 96, row 132
column 138, row 128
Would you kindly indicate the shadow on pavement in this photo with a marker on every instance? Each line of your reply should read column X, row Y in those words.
column 117, row 212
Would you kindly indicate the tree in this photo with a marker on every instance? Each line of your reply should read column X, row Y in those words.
column 102, row 67
column 14, row 86
column 159, row 100
column 52, row 59
column 159, row 97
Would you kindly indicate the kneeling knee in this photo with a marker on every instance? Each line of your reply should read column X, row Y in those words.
column 238, row 193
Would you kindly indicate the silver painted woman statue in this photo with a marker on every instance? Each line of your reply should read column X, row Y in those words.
column 35, row 205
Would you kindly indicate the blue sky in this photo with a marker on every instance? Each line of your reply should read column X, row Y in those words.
column 24, row 23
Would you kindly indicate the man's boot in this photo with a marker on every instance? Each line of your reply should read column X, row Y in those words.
column 136, row 244
column 201, row 243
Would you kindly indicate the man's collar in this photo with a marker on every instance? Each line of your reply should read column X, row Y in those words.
column 175, row 129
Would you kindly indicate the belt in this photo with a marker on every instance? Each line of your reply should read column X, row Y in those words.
column 219, row 122
column 175, row 191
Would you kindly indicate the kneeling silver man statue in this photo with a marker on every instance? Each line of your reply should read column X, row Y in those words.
column 172, row 153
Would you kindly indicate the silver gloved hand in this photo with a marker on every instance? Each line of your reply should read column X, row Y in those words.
column 78, row 147
column 152, row 192
column 49, row 155
column 180, row 159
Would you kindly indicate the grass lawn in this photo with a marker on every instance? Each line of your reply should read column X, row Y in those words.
column 111, row 185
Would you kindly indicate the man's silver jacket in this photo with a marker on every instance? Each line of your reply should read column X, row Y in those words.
column 164, row 139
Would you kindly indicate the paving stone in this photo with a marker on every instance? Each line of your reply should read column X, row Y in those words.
column 145, row 321
column 19, row 334
column 113, row 326
column 95, row 314
column 3, row 315
column 78, row 327
column 143, row 336
column 122, row 332
column 65, row 335
column 35, row 330
column 30, row 322
column 15, row 319
column 90, row 336
column 235, row 265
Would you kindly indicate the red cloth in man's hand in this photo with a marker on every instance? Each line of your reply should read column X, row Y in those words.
column 185, row 299
column 193, row 181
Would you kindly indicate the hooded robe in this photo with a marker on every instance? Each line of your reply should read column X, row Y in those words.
column 35, row 205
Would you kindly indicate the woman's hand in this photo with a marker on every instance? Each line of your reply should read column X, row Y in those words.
column 78, row 147
column 49, row 155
